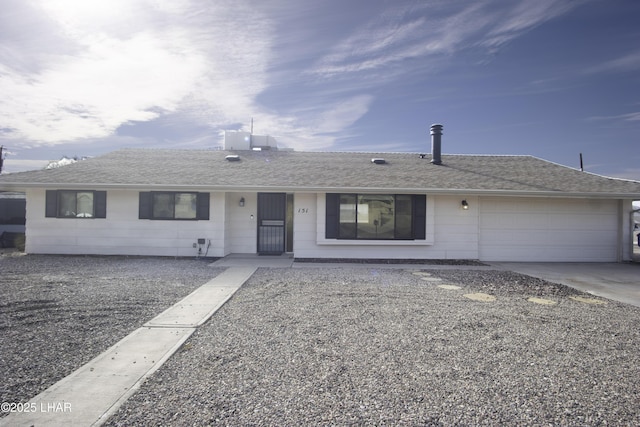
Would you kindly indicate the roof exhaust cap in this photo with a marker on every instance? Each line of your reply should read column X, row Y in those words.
column 436, row 144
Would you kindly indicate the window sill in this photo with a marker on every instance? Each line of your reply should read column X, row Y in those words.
column 341, row 242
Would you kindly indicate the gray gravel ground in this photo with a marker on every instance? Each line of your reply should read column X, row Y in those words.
column 57, row 313
column 361, row 346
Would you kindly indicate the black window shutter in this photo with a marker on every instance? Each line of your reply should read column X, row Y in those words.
column 144, row 210
column 331, row 215
column 99, row 204
column 51, row 204
column 419, row 216
column 203, row 206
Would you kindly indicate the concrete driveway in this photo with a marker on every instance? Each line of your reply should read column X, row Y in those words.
column 616, row 281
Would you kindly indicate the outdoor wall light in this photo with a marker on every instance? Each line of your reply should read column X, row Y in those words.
column 465, row 205
column 241, row 202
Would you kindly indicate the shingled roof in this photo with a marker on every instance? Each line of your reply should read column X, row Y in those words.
column 272, row 170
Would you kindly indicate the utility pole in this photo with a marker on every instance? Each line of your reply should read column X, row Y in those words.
column 1, row 160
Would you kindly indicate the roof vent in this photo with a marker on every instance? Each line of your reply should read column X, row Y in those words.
column 436, row 144
column 378, row 161
column 232, row 158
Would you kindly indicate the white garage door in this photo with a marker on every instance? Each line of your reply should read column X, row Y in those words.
column 534, row 229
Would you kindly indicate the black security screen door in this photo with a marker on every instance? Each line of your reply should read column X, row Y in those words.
column 272, row 209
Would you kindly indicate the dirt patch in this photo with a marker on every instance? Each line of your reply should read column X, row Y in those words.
column 541, row 301
column 479, row 296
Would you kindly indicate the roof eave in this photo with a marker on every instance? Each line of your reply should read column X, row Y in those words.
column 319, row 189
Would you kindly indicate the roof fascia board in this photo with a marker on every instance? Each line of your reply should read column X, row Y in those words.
column 314, row 189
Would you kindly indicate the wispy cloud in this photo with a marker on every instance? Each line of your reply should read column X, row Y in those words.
column 627, row 117
column 316, row 127
column 343, row 115
column 392, row 39
column 436, row 30
column 523, row 16
column 626, row 63
column 632, row 117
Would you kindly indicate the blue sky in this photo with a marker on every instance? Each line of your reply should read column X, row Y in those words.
column 550, row 78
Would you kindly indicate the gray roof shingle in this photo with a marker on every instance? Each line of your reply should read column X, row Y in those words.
column 317, row 171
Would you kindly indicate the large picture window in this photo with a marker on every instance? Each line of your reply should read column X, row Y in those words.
column 76, row 204
column 375, row 216
column 171, row 205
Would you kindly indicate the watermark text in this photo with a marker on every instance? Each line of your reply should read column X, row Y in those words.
column 49, row 407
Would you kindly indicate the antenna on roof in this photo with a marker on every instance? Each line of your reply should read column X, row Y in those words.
column 251, row 134
column 581, row 164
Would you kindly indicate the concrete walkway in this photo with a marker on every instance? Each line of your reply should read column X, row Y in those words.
column 254, row 260
column 616, row 281
column 91, row 394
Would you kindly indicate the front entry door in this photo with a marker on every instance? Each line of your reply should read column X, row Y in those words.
column 272, row 214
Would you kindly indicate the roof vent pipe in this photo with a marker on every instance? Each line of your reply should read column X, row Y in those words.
column 436, row 144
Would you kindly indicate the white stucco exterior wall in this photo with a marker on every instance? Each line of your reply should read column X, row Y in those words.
column 121, row 233
column 492, row 229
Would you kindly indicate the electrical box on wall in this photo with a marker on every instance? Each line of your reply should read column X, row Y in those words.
column 201, row 241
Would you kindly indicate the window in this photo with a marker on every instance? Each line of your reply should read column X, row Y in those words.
column 174, row 205
column 76, row 204
column 375, row 216
column 12, row 211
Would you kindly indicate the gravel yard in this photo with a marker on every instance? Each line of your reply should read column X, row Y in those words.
column 366, row 346
column 330, row 346
column 57, row 313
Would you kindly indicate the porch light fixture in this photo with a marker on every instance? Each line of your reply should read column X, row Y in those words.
column 241, row 202
column 465, row 205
